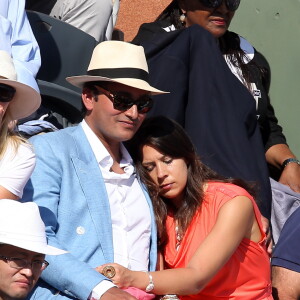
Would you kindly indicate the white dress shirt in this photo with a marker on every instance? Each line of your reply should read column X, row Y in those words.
column 130, row 214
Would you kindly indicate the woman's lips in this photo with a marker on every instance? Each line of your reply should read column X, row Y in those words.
column 166, row 187
column 219, row 21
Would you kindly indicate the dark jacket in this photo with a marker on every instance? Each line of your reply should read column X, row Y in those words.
column 260, row 74
column 215, row 109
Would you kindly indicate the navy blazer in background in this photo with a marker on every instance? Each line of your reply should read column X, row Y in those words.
column 213, row 106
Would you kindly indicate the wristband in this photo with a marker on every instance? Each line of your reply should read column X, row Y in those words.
column 290, row 160
column 150, row 286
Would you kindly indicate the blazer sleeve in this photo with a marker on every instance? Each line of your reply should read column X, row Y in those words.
column 66, row 273
column 272, row 132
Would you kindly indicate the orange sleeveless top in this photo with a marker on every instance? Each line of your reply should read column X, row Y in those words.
column 247, row 273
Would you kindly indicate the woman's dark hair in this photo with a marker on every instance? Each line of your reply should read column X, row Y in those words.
column 229, row 43
column 169, row 138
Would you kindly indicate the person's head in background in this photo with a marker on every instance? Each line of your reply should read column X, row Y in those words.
column 168, row 164
column 213, row 15
column 116, row 94
column 23, row 247
column 17, row 100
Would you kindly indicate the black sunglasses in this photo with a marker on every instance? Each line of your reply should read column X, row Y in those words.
column 122, row 101
column 232, row 5
column 7, row 92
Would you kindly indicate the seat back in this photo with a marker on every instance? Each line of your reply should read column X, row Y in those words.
column 65, row 51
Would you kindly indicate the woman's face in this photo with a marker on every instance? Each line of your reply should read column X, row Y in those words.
column 169, row 174
column 215, row 20
column 3, row 109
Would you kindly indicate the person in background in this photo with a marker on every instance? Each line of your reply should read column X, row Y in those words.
column 210, row 233
column 17, row 39
column 17, row 159
column 248, row 65
column 23, row 246
column 286, row 261
column 97, row 18
column 93, row 204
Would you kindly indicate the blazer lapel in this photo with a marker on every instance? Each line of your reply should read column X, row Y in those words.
column 92, row 184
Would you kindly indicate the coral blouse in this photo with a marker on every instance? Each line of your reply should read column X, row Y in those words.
column 246, row 275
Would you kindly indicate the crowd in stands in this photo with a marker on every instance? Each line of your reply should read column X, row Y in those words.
column 164, row 188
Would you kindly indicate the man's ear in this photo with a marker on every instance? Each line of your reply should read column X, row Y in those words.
column 88, row 98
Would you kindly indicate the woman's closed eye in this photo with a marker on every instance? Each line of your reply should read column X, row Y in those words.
column 167, row 160
column 151, row 165
column 148, row 167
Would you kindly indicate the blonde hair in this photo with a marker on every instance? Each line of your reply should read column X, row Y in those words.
column 8, row 136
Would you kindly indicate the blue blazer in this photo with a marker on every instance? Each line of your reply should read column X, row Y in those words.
column 68, row 186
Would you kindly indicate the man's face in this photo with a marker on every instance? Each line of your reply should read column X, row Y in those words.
column 17, row 283
column 109, row 124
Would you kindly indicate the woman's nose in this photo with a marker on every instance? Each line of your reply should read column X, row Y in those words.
column 161, row 171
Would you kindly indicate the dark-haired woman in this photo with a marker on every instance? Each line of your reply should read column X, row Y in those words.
column 182, row 77
column 210, row 232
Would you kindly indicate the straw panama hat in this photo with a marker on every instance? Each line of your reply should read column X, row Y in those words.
column 120, row 62
column 26, row 99
column 21, row 226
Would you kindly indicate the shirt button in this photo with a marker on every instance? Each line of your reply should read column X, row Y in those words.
column 80, row 230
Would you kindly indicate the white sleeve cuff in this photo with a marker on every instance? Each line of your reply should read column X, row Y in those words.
column 100, row 289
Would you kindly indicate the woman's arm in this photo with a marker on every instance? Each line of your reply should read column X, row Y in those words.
column 235, row 222
column 6, row 194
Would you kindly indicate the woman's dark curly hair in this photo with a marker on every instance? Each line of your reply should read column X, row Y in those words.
column 169, row 138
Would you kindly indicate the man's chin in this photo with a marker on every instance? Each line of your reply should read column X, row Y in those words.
column 20, row 293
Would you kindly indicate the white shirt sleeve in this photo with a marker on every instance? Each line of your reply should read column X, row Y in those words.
column 100, row 289
column 16, row 168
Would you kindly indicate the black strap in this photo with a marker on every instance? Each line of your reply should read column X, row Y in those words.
column 120, row 73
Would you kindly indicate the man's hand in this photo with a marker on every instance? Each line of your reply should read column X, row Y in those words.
column 290, row 176
column 117, row 294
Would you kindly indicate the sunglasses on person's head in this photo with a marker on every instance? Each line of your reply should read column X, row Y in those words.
column 232, row 5
column 123, row 101
column 7, row 92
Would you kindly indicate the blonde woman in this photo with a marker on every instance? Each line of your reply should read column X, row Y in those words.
column 17, row 158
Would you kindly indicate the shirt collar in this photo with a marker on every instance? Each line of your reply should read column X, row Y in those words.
column 102, row 155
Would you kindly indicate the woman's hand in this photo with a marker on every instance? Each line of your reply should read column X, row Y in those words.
column 123, row 277
column 267, row 230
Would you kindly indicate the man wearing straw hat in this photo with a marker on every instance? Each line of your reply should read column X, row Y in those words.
column 23, row 246
column 93, row 204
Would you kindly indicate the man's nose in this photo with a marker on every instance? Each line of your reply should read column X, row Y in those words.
column 132, row 112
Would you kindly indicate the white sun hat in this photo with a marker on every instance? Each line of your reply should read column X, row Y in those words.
column 21, row 226
column 120, row 62
column 26, row 99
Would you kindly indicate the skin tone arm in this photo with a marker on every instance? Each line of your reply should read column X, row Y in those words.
column 290, row 175
column 285, row 284
column 235, row 221
column 5, row 194
column 116, row 294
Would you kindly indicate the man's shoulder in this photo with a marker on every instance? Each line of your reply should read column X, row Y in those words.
column 63, row 142
column 60, row 136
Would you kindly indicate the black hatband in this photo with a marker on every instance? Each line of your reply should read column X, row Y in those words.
column 120, row 73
